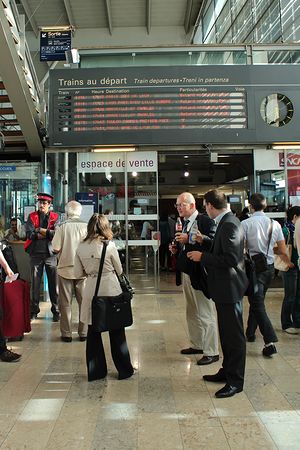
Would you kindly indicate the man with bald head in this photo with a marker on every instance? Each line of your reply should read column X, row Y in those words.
column 65, row 242
column 200, row 310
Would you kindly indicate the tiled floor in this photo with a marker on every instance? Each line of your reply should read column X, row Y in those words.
column 47, row 403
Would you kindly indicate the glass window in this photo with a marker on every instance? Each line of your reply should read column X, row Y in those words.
column 219, row 5
column 259, row 7
column 272, row 185
column 268, row 29
column 208, row 20
column 243, row 24
column 290, row 19
column 223, row 22
column 236, row 6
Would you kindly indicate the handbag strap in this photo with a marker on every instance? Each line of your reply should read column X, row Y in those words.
column 100, row 268
column 270, row 235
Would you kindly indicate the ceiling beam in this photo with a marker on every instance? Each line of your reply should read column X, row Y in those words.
column 30, row 18
column 148, row 15
column 18, row 90
column 108, row 15
column 188, row 14
column 69, row 12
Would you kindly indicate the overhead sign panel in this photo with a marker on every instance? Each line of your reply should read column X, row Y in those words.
column 174, row 105
column 54, row 44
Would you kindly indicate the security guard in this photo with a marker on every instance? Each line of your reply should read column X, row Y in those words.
column 40, row 228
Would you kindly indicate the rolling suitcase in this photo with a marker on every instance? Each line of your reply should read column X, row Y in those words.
column 16, row 309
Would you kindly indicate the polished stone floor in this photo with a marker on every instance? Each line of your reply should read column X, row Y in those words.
column 47, row 403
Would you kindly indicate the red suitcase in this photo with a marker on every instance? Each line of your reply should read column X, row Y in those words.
column 16, row 309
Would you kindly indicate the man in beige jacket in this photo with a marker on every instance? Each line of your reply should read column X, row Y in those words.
column 65, row 242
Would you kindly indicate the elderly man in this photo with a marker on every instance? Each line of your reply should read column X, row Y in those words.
column 227, row 282
column 65, row 243
column 40, row 228
column 200, row 311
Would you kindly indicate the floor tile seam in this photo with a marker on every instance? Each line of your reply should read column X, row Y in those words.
column 10, row 429
column 141, row 413
column 261, row 423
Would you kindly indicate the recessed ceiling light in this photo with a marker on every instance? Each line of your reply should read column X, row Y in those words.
column 185, row 156
column 186, row 174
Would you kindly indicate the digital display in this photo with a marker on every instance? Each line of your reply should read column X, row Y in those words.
column 54, row 44
column 134, row 110
column 153, row 105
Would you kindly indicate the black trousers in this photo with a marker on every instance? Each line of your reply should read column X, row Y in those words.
column 257, row 313
column 95, row 356
column 37, row 264
column 233, row 342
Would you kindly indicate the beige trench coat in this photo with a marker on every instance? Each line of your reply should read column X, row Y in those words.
column 87, row 261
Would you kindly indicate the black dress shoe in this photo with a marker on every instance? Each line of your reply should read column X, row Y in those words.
column 191, row 351
column 33, row 316
column 216, row 378
column 228, row 391
column 251, row 338
column 55, row 317
column 269, row 350
column 205, row 360
column 66, row 338
column 82, row 338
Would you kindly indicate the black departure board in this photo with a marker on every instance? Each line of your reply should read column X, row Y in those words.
column 158, row 105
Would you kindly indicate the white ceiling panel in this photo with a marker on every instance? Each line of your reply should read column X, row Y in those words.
column 48, row 13
column 128, row 13
column 124, row 13
column 89, row 13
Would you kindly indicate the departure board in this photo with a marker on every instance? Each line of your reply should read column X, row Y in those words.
column 152, row 105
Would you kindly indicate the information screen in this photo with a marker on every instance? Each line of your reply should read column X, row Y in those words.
column 152, row 105
column 54, row 44
column 175, row 108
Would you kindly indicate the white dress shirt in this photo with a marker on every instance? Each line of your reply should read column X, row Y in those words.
column 256, row 230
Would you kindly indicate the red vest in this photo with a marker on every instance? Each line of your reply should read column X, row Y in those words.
column 35, row 219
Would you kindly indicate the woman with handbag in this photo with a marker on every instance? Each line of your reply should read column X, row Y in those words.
column 87, row 263
column 290, row 311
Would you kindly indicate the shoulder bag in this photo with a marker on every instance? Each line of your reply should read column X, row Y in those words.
column 108, row 312
column 260, row 259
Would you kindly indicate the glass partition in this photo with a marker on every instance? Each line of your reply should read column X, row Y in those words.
column 123, row 186
column 19, row 184
column 272, row 185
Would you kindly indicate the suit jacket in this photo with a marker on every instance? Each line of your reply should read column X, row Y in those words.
column 227, row 280
column 198, row 276
column 207, row 227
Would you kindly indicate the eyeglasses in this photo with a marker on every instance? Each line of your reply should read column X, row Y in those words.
column 180, row 205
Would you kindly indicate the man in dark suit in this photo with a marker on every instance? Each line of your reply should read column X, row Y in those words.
column 200, row 310
column 227, row 283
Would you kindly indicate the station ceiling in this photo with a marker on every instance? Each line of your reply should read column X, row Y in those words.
column 110, row 14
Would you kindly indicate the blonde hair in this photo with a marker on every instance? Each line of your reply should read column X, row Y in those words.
column 98, row 227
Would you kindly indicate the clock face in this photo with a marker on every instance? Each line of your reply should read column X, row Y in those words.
column 276, row 110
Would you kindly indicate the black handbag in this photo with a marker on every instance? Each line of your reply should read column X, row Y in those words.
column 125, row 286
column 110, row 313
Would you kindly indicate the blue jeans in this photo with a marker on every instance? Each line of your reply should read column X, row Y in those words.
column 290, row 311
column 257, row 313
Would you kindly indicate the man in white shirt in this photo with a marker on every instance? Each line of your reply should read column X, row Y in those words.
column 65, row 242
column 261, row 235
